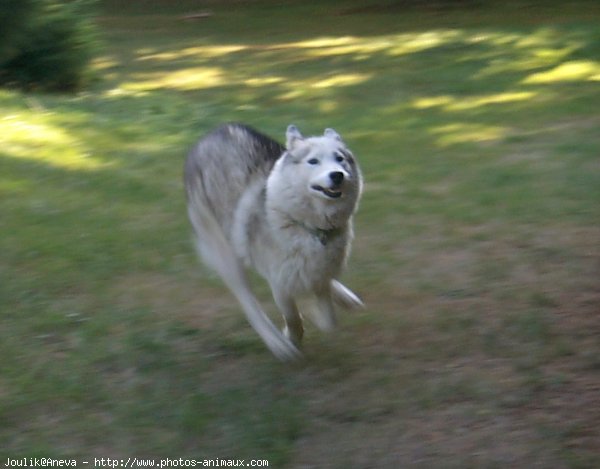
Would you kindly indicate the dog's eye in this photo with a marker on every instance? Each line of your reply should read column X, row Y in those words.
column 339, row 158
column 313, row 161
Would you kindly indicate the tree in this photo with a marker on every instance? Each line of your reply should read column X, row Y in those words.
column 46, row 44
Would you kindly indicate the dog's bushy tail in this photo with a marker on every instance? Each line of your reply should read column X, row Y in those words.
column 218, row 253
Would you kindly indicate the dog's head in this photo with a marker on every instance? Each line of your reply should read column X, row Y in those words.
column 320, row 173
column 328, row 166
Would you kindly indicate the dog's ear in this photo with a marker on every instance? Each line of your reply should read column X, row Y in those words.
column 292, row 135
column 330, row 133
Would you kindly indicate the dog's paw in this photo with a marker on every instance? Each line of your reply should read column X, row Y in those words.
column 284, row 349
column 344, row 297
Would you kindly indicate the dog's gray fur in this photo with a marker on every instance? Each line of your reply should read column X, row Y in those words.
column 284, row 211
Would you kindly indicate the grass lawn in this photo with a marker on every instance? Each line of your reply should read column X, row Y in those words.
column 477, row 248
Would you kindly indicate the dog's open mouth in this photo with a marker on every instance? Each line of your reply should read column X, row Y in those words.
column 333, row 194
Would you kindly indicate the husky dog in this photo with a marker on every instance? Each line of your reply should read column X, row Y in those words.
column 284, row 211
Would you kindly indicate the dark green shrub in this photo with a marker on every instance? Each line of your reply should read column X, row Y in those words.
column 49, row 46
column 14, row 15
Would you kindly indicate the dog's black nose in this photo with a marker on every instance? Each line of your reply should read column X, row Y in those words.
column 336, row 177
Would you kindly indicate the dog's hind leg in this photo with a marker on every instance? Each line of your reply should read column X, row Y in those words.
column 217, row 252
column 293, row 329
column 344, row 297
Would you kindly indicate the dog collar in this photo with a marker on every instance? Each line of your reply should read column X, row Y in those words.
column 324, row 236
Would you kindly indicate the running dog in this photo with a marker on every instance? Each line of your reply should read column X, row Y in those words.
column 285, row 212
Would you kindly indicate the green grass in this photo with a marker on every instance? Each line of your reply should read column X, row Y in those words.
column 476, row 250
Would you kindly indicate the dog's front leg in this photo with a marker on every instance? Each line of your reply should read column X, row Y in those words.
column 344, row 297
column 324, row 316
column 293, row 329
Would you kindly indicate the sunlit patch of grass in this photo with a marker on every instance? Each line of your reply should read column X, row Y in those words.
column 456, row 133
column 363, row 47
column 197, row 52
column 35, row 136
column 585, row 70
column 188, row 79
column 451, row 103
